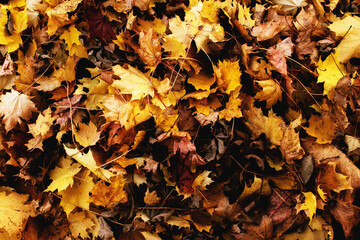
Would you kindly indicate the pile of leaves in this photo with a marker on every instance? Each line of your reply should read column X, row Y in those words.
column 182, row 119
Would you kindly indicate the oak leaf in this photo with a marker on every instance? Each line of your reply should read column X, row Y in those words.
column 109, row 195
column 14, row 107
column 14, row 211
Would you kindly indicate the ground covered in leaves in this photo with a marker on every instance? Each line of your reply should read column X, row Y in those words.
column 157, row 119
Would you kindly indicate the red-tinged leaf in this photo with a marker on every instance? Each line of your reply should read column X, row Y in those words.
column 99, row 26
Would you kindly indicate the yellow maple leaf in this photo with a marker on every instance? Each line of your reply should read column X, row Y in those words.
column 59, row 15
column 258, row 186
column 43, row 124
column 271, row 92
column 132, row 81
column 150, row 48
column 14, row 107
column 87, row 134
column 272, row 125
column 232, row 109
column 14, row 212
column 349, row 28
column 322, row 127
column 174, row 46
column 74, row 46
column 330, row 71
column 88, row 161
column 167, row 122
column 178, row 221
column 227, row 75
column 309, row 205
column 78, row 194
column 63, row 174
column 109, row 195
column 244, row 16
column 151, row 198
column 202, row 180
column 201, row 81
column 197, row 29
column 81, row 224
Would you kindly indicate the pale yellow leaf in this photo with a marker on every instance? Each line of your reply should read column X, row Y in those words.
column 80, row 224
column 14, row 107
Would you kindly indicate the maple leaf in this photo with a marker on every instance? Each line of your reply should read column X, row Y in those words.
column 14, row 107
column 81, row 225
column 88, row 161
column 330, row 72
column 109, row 195
column 87, row 134
column 233, row 107
column 202, row 81
column 74, row 46
column 99, row 26
column 348, row 27
column 151, row 198
column 63, row 174
column 271, row 92
column 309, row 205
column 150, row 48
column 178, row 221
column 227, row 75
column 273, row 126
column 133, row 82
column 202, row 180
column 59, row 15
column 14, row 212
column 78, row 194
column 174, row 46
column 322, row 127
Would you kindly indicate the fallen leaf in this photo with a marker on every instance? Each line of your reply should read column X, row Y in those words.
column 14, row 212
column 87, row 134
column 14, row 107
column 78, row 194
column 109, row 195
column 322, row 127
column 63, row 174
column 151, row 198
